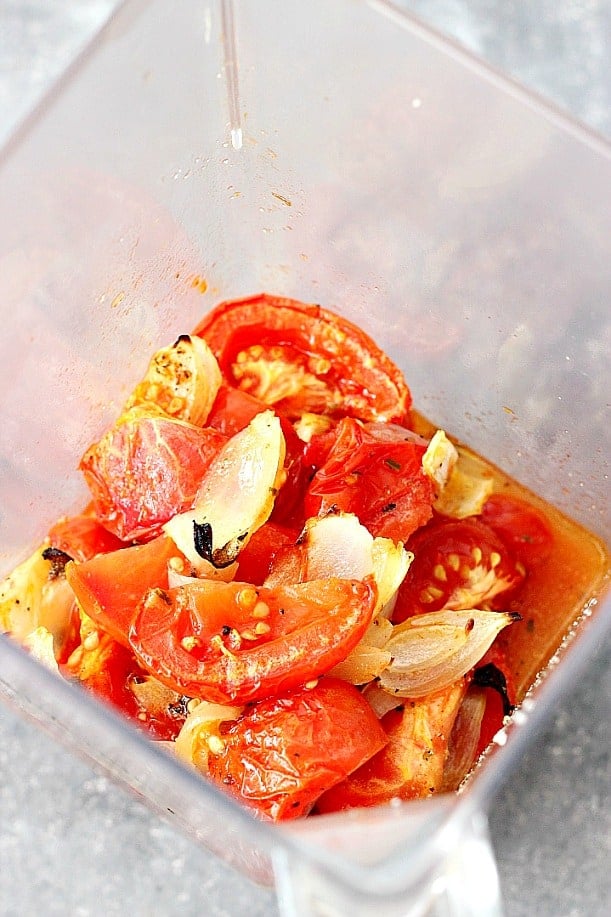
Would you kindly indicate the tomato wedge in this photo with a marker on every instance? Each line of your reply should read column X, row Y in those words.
column 82, row 537
column 233, row 643
column 411, row 764
column 145, row 470
column 256, row 559
column 233, row 410
column 286, row 751
column 380, row 480
column 300, row 357
column 111, row 587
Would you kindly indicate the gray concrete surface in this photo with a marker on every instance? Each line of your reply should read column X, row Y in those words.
column 71, row 842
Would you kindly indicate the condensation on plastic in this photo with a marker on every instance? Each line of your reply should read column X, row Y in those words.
column 383, row 173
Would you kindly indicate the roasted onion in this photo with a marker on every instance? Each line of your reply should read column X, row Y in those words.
column 431, row 651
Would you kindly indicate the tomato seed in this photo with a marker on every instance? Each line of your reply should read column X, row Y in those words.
column 261, row 610
column 439, row 572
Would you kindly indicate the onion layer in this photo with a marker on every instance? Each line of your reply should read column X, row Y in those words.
column 431, row 651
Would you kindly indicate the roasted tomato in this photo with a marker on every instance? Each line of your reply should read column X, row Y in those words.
column 234, row 643
column 110, row 671
column 82, row 537
column 256, row 559
column 285, row 752
column 523, row 528
column 110, row 587
column 233, row 410
column 457, row 564
column 493, row 675
column 300, row 357
column 411, row 764
column 145, row 470
column 378, row 478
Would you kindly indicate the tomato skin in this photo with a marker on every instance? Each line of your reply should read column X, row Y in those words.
column 350, row 374
column 233, row 410
column 285, row 752
column 82, row 537
column 410, row 766
column 145, row 470
column 379, row 480
column 110, row 587
column 203, row 640
column 523, row 528
column 457, row 564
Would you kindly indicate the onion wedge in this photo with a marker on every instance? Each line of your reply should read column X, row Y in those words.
column 431, row 651
column 339, row 546
column 182, row 380
column 236, row 495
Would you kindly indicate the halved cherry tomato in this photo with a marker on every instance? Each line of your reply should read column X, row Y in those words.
column 234, row 643
column 284, row 752
column 523, row 528
column 457, row 564
column 111, row 587
column 82, row 537
column 380, row 480
column 300, row 357
column 145, row 470
column 411, row 764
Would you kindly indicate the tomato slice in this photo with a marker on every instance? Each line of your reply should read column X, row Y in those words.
column 145, row 470
column 411, row 764
column 111, row 587
column 233, row 643
column 457, row 564
column 523, row 528
column 82, row 537
column 285, row 752
column 380, row 480
column 300, row 357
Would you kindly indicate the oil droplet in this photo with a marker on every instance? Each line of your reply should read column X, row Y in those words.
column 117, row 300
column 199, row 283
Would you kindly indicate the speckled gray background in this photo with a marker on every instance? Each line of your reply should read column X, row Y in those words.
column 73, row 844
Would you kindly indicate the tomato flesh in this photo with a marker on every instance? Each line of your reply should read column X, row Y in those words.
column 231, row 643
column 285, row 752
column 256, row 559
column 301, row 357
column 379, row 480
column 410, row 766
column 145, row 470
column 82, row 537
column 111, row 587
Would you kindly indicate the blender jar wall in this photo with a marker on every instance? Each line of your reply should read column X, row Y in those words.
column 382, row 174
